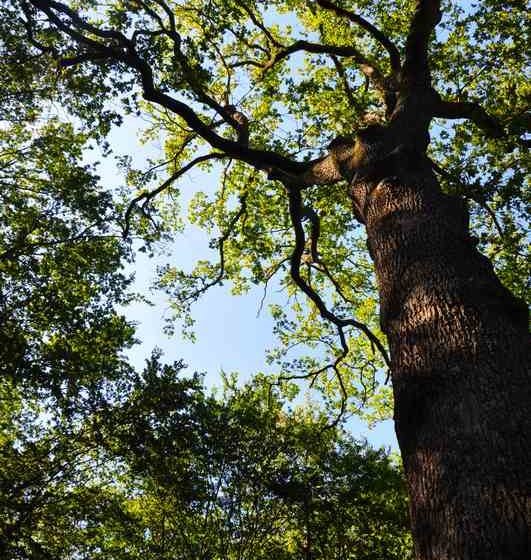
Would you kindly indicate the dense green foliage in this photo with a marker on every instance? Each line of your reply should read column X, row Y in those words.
column 286, row 68
column 164, row 470
column 59, row 265
column 100, row 461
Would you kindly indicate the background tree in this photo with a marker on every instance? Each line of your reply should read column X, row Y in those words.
column 62, row 338
column 164, row 470
column 373, row 80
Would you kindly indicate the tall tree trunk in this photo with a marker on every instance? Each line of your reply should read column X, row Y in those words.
column 460, row 352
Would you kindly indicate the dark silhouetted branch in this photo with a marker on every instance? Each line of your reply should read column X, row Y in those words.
column 394, row 55
column 296, row 214
column 471, row 111
column 416, row 64
column 368, row 69
column 149, row 195
column 123, row 51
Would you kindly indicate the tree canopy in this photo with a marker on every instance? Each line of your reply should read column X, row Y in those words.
column 271, row 100
column 162, row 469
column 238, row 89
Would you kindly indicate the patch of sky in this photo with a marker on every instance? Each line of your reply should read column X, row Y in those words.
column 230, row 335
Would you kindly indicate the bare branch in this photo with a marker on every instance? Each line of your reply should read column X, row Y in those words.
column 416, row 64
column 394, row 55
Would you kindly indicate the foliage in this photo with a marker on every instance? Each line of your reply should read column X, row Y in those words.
column 98, row 461
column 172, row 472
column 284, row 78
column 59, row 264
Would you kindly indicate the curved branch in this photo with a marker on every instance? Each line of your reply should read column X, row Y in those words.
column 221, row 248
column 125, row 53
column 368, row 69
column 295, row 210
column 313, row 375
column 324, row 170
column 149, row 195
column 390, row 47
column 312, row 215
column 340, row 69
column 253, row 17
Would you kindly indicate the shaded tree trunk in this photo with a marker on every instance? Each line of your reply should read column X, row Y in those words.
column 460, row 352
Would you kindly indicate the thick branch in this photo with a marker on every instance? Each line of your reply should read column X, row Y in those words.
column 394, row 55
column 325, row 170
column 126, row 54
column 416, row 64
column 471, row 111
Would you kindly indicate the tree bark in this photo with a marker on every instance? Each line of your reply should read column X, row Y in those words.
column 460, row 353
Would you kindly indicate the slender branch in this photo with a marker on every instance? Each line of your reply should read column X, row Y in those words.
column 272, row 271
column 368, row 69
column 472, row 111
column 221, row 248
column 334, row 366
column 319, row 264
column 394, row 55
column 295, row 210
column 253, row 17
column 341, row 72
column 149, row 195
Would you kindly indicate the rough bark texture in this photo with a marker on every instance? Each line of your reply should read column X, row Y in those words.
column 460, row 351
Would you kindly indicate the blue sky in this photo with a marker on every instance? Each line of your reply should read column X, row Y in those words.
column 231, row 337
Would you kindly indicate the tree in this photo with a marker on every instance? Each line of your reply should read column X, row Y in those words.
column 62, row 338
column 168, row 471
column 458, row 339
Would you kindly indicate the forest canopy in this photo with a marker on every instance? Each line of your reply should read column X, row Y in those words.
column 283, row 107
column 298, row 75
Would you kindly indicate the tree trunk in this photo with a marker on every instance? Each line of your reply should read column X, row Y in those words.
column 460, row 353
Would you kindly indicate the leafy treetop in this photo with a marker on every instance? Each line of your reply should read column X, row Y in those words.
column 255, row 92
